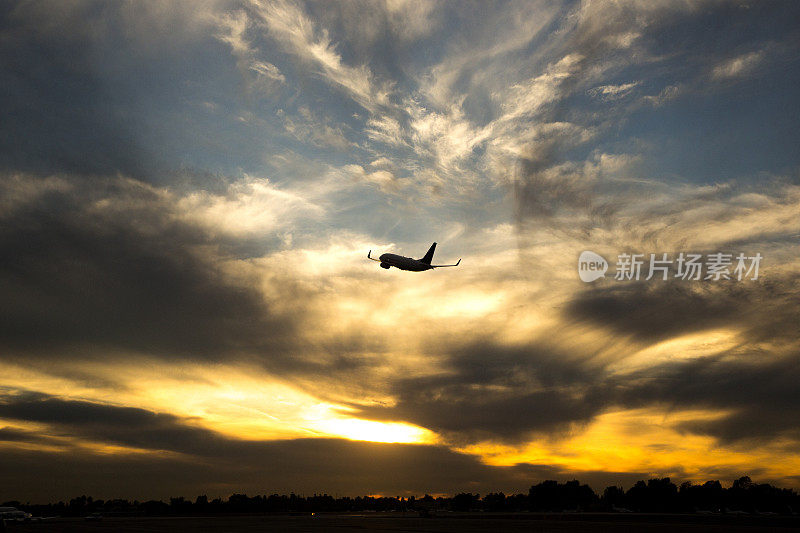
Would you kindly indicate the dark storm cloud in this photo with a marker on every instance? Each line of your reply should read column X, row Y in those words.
column 105, row 265
column 8, row 434
column 466, row 413
column 496, row 392
column 211, row 462
column 756, row 390
column 489, row 391
column 657, row 311
column 127, row 426
column 755, row 381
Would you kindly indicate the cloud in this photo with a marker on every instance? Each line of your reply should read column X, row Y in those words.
column 657, row 312
column 491, row 391
column 125, row 426
column 670, row 92
column 295, row 31
column 612, row 43
column 260, row 76
column 376, row 32
column 746, row 381
column 476, row 59
column 230, row 465
column 195, row 185
column 755, row 397
column 305, row 126
column 617, row 342
column 737, row 66
column 612, row 92
column 411, row 19
column 386, row 129
column 109, row 265
column 249, row 206
column 383, row 179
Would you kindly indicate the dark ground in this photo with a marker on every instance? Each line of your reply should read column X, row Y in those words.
column 448, row 522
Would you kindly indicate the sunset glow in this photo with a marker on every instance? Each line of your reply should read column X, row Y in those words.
column 189, row 191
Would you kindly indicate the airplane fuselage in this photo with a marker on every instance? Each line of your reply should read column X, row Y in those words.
column 409, row 263
column 403, row 263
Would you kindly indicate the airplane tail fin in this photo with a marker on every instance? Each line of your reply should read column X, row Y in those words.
column 428, row 256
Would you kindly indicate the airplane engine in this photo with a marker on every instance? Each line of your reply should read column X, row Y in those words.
column 385, row 265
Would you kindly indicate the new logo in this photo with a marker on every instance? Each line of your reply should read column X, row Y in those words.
column 591, row 266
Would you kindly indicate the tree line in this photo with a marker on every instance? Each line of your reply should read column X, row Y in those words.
column 653, row 496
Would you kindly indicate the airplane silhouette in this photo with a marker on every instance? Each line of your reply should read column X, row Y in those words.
column 407, row 263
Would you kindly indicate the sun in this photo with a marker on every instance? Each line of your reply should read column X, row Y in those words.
column 370, row 430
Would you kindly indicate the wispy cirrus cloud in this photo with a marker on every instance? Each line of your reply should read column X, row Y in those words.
column 292, row 28
column 737, row 66
column 260, row 76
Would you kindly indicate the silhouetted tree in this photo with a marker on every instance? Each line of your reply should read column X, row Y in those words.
column 705, row 497
column 657, row 495
column 654, row 495
column 494, row 502
column 552, row 496
column 464, row 501
column 613, row 498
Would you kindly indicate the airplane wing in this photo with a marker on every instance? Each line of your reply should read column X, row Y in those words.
column 378, row 260
column 442, row 266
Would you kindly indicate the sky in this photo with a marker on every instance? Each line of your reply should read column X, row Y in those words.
column 188, row 191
